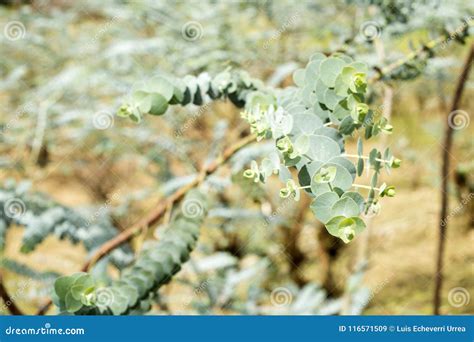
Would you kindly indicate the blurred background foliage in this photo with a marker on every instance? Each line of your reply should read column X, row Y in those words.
column 71, row 64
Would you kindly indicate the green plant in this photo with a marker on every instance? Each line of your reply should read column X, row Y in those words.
column 80, row 293
column 308, row 125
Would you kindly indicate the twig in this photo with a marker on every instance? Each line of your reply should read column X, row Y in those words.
column 155, row 215
column 428, row 46
column 9, row 303
column 447, row 145
column 158, row 212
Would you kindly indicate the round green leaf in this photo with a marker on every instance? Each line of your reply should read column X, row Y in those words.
column 298, row 77
column 321, row 206
column 346, row 163
column 356, row 197
column 72, row 304
column 346, row 207
column 330, row 69
column 322, row 148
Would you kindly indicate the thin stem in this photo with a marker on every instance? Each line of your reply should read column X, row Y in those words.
column 155, row 215
column 365, row 157
column 305, row 187
column 430, row 45
column 364, row 187
column 7, row 300
column 446, row 148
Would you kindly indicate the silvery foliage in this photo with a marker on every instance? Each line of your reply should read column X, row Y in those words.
column 41, row 217
column 155, row 266
column 308, row 125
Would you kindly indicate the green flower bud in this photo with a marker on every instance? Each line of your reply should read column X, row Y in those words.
column 388, row 191
column 362, row 110
column 249, row 173
column 347, row 234
column 396, row 163
column 125, row 110
column 284, row 145
column 387, row 129
column 360, row 81
column 285, row 192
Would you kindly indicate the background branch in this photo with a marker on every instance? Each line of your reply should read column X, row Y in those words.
column 7, row 300
column 447, row 145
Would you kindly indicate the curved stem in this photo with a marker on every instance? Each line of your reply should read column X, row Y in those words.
column 446, row 147
column 155, row 215
column 7, row 300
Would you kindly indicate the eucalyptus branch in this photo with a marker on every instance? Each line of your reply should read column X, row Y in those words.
column 156, row 214
column 160, row 209
column 426, row 47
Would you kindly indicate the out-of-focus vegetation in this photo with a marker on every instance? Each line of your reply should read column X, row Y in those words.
column 83, row 175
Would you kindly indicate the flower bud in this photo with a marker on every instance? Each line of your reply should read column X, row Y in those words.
column 396, row 163
column 285, row 192
column 125, row 110
column 362, row 110
column 284, row 145
column 360, row 81
column 347, row 234
column 387, row 129
column 249, row 173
